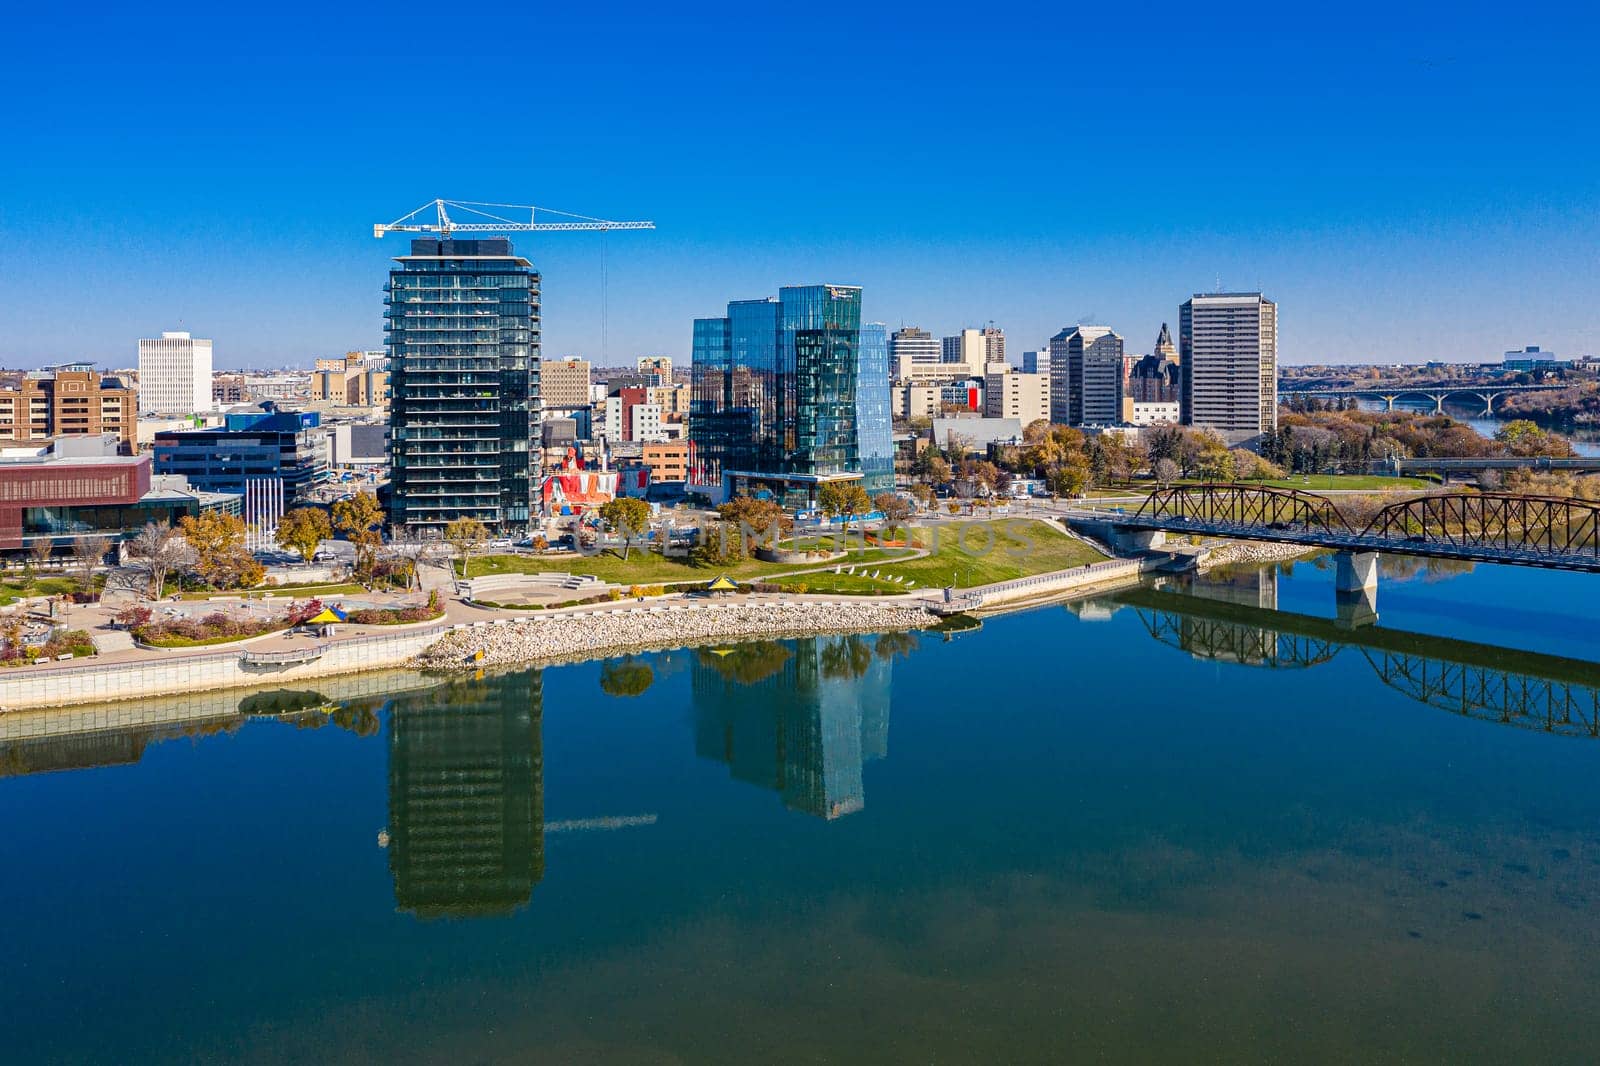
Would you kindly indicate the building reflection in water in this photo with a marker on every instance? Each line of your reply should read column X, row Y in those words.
column 466, row 796
column 798, row 717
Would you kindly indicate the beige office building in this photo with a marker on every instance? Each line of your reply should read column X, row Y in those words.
column 1007, row 393
column 564, row 383
column 1228, row 349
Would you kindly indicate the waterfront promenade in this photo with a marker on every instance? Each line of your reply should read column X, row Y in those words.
column 124, row 671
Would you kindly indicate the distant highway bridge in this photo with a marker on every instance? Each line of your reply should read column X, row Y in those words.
column 1478, row 464
column 1438, row 392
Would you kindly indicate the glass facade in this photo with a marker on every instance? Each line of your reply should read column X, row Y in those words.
column 285, row 446
column 463, row 325
column 776, row 386
column 874, row 435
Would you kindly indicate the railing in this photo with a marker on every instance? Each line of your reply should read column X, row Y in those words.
column 271, row 658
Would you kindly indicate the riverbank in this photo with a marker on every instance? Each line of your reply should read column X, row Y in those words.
column 545, row 640
column 1252, row 551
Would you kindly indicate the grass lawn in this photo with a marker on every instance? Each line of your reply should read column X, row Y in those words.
column 968, row 554
column 1348, row 482
column 644, row 567
column 15, row 588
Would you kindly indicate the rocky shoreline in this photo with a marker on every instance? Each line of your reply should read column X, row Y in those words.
column 1254, row 551
column 600, row 634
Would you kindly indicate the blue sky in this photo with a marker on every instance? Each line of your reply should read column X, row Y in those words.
column 1406, row 184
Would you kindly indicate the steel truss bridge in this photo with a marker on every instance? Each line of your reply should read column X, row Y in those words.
column 1529, row 690
column 1438, row 392
column 1555, row 533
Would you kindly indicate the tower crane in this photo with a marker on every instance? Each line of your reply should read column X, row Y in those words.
column 481, row 221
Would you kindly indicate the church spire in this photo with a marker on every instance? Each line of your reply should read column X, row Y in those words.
column 1164, row 345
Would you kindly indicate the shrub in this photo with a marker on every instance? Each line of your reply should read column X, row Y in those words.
column 390, row 616
column 133, row 617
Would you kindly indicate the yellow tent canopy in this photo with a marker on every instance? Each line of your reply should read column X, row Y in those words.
column 327, row 616
column 721, row 584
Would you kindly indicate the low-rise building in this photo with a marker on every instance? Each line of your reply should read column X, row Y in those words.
column 667, row 460
column 1008, row 393
column 353, row 381
column 75, row 487
column 71, row 400
column 1150, row 412
column 915, row 401
column 976, row 435
column 290, row 447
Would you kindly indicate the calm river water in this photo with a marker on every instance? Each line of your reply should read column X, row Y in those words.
column 1186, row 823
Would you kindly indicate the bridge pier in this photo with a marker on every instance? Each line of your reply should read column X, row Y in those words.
column 1132, row 541
column 1355, row 586
column 1438, row 402
column 1356, row 609
column 1388, row 402
column 1356, row 571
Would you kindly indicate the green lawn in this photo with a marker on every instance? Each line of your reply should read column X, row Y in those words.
column 15, row 588
column 647, row 568
column 1350, row 482
column 968, row 554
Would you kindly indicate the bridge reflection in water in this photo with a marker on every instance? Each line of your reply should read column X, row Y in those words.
column 1217, row 621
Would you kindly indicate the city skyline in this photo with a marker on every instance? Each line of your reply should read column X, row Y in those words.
column 242, row 212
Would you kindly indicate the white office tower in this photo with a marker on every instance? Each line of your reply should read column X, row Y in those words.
column 914, row 353
column 174, row 375
column 1228, row 348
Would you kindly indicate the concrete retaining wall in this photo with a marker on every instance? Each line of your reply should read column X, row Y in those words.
column 22, row 687
column 1026, row 588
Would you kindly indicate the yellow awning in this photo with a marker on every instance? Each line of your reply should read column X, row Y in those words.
column 721, row 584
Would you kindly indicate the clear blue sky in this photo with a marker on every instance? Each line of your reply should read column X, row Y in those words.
column 1407, row 184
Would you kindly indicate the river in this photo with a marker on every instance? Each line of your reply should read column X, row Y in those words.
column 1193, row 821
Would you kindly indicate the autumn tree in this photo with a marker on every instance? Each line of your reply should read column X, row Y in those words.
column 894, row 508
column 931, row 467
column 303, row 529
column 628, row 517
column 361, row 520
column 1165, row 471
column 845, row 498
column 755, row 520
column 221, row 558
column 466, row 536
column 1213, row 462
column 159, row 551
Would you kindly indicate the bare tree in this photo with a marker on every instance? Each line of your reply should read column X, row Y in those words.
column 158, row 551
column 88, row 553
column 39, row 552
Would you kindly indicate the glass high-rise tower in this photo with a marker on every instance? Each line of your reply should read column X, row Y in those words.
column 777, row 391
column 463, row 325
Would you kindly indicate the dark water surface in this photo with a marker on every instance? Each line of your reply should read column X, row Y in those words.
column 1179, row 824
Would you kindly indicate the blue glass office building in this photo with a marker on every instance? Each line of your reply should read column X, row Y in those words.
column 874, row 422
column 463, row 325
column 776, row 402
column 260, row 446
